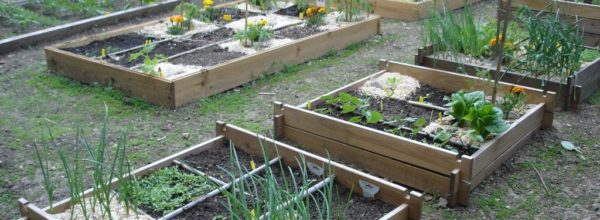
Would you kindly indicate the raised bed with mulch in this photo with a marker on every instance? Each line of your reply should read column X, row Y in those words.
column 451, row 172
column 574, row 91
column 389, row 201
column 204, row 61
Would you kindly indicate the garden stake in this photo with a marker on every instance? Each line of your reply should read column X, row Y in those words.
column 503, row 15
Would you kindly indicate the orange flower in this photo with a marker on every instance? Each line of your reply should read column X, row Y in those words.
column 309, row 12
column 494, row 41
column 176, row 19
column 517, row 90
column 321, row 10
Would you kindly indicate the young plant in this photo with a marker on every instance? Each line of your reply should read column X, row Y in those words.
column 352, row 104
column 481, row 115
column 512, row 99
column 190, row 11
column 553, row 49
column 315, row 15
column 390, row 88
column 254, row 33
column 45, row 169
column 351, row 10
column 176, row 26
column 149, row 61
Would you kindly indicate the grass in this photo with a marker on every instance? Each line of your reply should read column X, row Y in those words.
column 16, row 16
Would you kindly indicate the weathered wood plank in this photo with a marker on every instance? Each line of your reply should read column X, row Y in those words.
column 413, row 152
column 251, row 143
column 411, row 176
column 502, row 142
column 134, row 84
column 397, row 214
column 567, row 8
column 411, row 11
column 65, row 30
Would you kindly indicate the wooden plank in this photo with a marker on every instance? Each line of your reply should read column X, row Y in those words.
column 409, row 151
column 412, row 11
column 239, row 71
column 32, row 212
column 411, row 176
column 134, row 84
column 65, row 30
column 500, row 159
column 489, row 152
column 399, row 213
column 589, row 79
column 567, row 8
column 85, row 40
column 251, row 143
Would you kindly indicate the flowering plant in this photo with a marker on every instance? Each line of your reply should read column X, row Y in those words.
column 254, row 32
column 315, row 15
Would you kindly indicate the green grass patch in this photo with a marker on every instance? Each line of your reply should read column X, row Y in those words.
column 16, row 16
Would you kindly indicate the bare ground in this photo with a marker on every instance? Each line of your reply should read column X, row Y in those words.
column 33, row 102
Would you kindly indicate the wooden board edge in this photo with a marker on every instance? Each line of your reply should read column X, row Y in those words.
column 399, row 213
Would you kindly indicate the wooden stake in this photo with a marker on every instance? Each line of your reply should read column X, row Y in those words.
column 503, row 16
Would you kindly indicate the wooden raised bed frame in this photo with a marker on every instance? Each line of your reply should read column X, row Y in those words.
column 211, row 80
column 409, row 202
column 588, row 14
column 412, row 163
column 409, row 10
column 571, row 93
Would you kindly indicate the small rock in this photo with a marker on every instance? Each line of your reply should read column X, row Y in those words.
column 185, row 136
column 442, row 203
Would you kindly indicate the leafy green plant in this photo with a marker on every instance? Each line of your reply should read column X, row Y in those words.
column 254, row 33
column 510, row 100
column 352, row 104
column 351, row 10
column 461, row 103
column 168, row 189
column 149, row 62
column 418, row 125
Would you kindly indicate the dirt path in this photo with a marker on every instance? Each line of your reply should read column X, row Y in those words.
column 33, row 102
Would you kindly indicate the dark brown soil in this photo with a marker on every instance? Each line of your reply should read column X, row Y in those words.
column 298, row 32
column 432, row 95
column 167, row 48
column 214, row 36
column 209, row 209
column 112, row 44
column 346, row 206
column 207, row 57
column 215, row 161
column 290, row 11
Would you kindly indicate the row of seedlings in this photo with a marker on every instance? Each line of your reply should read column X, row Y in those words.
column 238, row 175
column 539, row 50
column 197, row 53
column 429, row 129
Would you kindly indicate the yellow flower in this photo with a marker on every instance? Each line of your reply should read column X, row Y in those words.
column 176, row 19
column 494, row 41
column 309, row 12
column 321, row 10
column 226, row 17
column 262, row 22
column 207, row 2
column 517, row 90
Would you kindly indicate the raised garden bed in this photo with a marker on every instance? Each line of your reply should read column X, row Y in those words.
column 575, row 90
column 207, row 59
column 423, row 166
column 391, row 201
column 62, row 31
column 410, row 10
column 588, row 14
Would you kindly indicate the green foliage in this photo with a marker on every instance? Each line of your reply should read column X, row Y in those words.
column 509, row 101
column 149, row 61
column 482, row 116
column 190, row 11
column 351, row 10
column 418, row 125
column 168, row 189
column 351, row 104
column 175, row 30
column 315, row 15
column 390, row 88
column 254, row 33
column 461, row 103
column 553, row 49
column 60, row 8
column 589, row 55
column 16, row 16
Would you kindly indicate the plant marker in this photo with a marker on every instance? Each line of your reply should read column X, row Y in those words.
column 308, row 105
column 102, row 53
column 252, row 215
column 431, row 116
column 440, row 116
column 381, row 105
column 301, row 15
column 252, row 165
column 421, row 99
column 162, row 75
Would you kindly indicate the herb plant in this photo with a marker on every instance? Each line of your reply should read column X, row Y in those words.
column 168, row 189
column 149, row 61
column 254, row 33
column 351, row 10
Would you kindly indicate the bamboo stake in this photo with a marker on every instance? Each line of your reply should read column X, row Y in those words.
column 503, row 16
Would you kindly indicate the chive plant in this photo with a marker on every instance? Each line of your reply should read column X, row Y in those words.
column 84, row 157
column 266, row 197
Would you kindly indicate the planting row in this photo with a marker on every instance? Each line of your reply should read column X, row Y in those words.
column 237, row 175
column 196, row 53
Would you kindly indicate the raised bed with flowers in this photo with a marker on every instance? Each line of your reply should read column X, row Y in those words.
column 237, row 174
column 197, row 53
column 397, row 123
column 540, row 52
column 412, row 10
column 587, row 13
